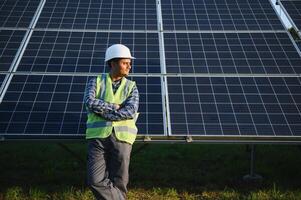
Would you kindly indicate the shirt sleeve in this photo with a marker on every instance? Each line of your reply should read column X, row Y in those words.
column 128, row 108
column 98, row 106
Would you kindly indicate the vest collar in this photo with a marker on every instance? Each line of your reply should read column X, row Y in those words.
column 109, row 94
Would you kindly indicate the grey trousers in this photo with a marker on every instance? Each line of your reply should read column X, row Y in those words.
column 107, row 168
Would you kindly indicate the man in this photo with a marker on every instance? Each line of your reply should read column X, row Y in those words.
column 112, row 104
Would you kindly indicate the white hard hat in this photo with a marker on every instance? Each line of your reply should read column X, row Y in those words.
column 118, row 51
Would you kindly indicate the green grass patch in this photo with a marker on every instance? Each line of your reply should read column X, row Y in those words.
column 18, row 193
column 43, row 170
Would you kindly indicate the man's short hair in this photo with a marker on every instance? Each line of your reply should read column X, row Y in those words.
column 113, row 60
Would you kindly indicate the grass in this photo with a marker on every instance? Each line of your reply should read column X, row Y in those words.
column 43, row 170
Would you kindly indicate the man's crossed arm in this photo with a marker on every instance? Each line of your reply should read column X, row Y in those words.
column 110, row 111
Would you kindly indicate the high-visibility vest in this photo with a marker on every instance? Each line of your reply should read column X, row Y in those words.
column 97, row 126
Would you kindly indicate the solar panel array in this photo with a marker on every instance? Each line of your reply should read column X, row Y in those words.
column 219, row 15
column 252, row 53
column 18, row 13
column 241, row 106
column 102, row 15
column 52, row 106
column 207, row 69
column 66, row 51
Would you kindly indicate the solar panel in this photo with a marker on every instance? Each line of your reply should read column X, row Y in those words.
column 251, row 53
column 64, row 51
column 293, row 8
column 219, row 15
column 45, row 106
column 235, row 106
column 18, row 13
column 104, row 15
column 10, row 41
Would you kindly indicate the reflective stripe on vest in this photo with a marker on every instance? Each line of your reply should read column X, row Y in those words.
column 125, row 129
column 98, row 127
column 99, row 124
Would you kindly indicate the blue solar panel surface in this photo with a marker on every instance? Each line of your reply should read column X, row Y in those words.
column 104, row 15
column 66, row 51
column 250, row 53
column 293, row 8
column 17, row 13
column 225, row 67
column 10, row 41
column 2, row 76
column 219, row 15
column 45, row 105
column 227, row 106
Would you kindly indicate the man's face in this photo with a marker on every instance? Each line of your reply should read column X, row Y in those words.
column 121, row 67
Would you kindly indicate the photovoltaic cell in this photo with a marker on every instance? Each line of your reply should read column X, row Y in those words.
column 2, row 76
column 219, row 15
column 42, row 106
column 55, row 51
column 10, row 41
column 293, row 8
column 250, row 53
column 233, row 106
column 18, row 13
column 101, row 15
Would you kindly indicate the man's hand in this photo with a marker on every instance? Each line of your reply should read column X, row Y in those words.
column 117, row 106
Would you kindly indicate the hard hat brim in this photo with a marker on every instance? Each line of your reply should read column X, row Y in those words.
column 132, row 58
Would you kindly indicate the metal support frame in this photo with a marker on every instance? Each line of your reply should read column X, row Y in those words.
column 252, row 176
column 164, row 88
column 288, row 17
column 278, row 2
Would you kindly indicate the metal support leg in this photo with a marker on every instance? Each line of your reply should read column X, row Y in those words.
column 252, row 176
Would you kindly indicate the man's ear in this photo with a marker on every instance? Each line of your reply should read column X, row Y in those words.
column 113, row 63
